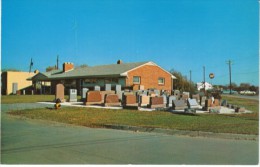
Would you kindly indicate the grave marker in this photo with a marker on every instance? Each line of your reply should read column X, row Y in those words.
column 93, row 97
column 59, row 94
column 156, row 102
column 112, row 100
column 97, row 88
column 108, row 87
column 73, row 95
column 179, row 105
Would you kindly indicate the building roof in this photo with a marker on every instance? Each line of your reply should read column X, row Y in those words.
column 111, row 70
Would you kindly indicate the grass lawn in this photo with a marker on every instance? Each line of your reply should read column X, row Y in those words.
column 27, row 98
column 93, row 117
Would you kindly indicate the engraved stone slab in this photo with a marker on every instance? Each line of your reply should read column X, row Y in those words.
column 14, row 88
column 192, row 103
column 59, row 94
column 112, row 100
column 202, row 100
column 103, row 93
column 197, row 97
column 178, row 104
column 107, row 87
column 84, row 93
column 141, row 87
column 93, row 97
column 118, row 88
column 170, row 99
column 156, row 102
column 73, row 95
column 144, row 100
column 97, row 88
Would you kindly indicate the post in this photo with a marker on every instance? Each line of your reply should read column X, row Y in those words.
column 204, row 82
column 229, row 64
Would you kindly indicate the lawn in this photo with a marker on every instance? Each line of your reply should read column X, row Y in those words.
column 93, row 117
column 27, row 98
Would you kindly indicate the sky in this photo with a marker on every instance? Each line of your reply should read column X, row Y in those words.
column 180, row 35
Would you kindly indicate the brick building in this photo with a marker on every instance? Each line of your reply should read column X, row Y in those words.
column 129, row 75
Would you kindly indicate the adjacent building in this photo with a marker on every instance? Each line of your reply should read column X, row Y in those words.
column 147, row 75
column 14, row 81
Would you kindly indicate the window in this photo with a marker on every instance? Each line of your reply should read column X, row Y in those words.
column 161, row 81
column 136, row 80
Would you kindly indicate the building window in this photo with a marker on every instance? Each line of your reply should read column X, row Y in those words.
column 161, row 81
column 136, row 80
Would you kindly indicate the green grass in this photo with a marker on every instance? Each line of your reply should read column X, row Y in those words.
column 252, row 105
column 27, row 98
column 92, row 117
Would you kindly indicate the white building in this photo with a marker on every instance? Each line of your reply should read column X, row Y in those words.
column 200, row 86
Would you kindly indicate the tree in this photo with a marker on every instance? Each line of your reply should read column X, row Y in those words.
column 50, row 68
column 182, row 83
column 81, row 66
column 244, row 86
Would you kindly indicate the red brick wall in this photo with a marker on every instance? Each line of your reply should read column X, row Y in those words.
column 149, row 75
column 67, row 66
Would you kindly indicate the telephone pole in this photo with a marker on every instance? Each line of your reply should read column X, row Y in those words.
column 57, row 62
column 190, row 81
column 229, row 62
column 204, row 81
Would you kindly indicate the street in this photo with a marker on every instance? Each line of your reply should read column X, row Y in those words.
column 27, row 141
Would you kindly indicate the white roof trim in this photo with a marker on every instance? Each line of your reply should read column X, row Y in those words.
column 148, row 63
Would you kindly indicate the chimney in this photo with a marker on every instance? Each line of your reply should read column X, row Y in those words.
column 119, row 62
column 67, row 66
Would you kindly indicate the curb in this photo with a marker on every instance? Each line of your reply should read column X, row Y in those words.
column 184, row 133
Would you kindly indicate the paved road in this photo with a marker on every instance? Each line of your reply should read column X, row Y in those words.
column 27, row 141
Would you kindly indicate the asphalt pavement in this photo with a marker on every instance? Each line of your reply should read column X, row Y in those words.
column 28, row 141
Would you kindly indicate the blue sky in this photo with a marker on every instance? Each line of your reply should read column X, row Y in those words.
column 182, row 35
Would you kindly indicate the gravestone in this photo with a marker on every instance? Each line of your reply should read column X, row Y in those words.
column 192, row 103
column 112, row 100
column 164, row 99
column 156, row 102
column 197, row 97
column 144, row 100
column 73, row 95
column 83, row 94
column 15, row 88
column 170, row 99
column 97, row 88
column 59, row 94
column 185, row 97
column 186, row 93
column 118, row 88
column 93, row 97
column 120, row 95
column 141, row 87
column 129, row 100
column 23, row 92
column 177, row 93
column 103, row 93
column 108, row 87
column 202, row 100
column 178, row 105
column 157, row 92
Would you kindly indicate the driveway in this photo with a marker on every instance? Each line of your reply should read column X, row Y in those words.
column 26, row 141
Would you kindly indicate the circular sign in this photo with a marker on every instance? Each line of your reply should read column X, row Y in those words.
column 211, row 75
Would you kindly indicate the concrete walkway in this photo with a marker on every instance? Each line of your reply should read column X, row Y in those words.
column 26, row 141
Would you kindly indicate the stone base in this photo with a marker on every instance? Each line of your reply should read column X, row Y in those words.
column 112, row 104
column 157, row 106
column 178, row 108
column 90, row 103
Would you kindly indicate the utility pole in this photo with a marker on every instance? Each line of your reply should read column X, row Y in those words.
column 190, row 80
column 204, row 81
column 57, row 62
column 229, row 62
